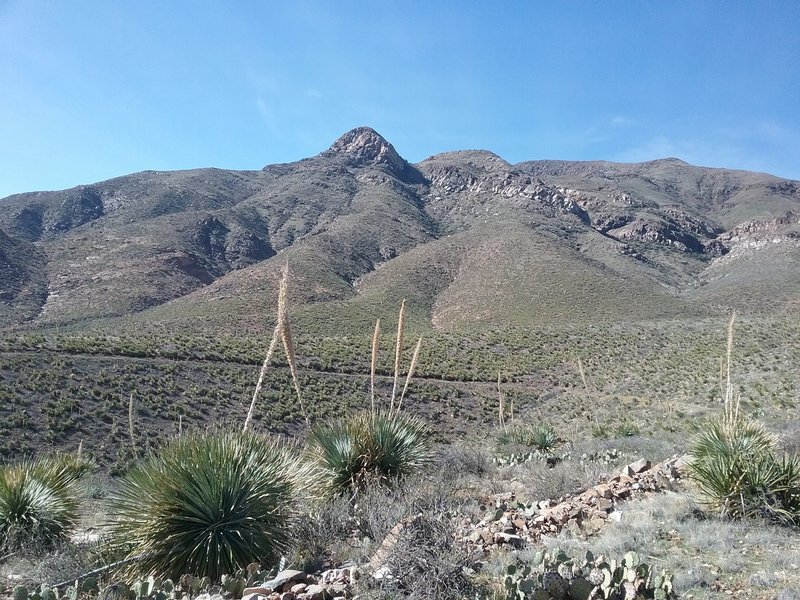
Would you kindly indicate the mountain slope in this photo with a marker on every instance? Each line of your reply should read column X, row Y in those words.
column 466, row 237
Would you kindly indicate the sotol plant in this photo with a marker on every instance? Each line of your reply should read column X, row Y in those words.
column 737, row 467
column 368, row 447
column 541, row 437
column 379, row 445
column 38, row 501
column 206, row 504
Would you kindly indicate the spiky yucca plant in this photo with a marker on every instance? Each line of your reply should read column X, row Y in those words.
column 737, row 468
column 542, row 437
column 369, row 447
column 38, row 502
column 206, row 504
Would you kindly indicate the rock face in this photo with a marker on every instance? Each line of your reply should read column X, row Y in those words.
column 364, row 145
column 229, row 248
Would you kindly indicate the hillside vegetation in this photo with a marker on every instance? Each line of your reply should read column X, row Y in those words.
column 573, row 320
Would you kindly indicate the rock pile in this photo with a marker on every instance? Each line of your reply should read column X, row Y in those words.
column 514, row 524
column 333, row 584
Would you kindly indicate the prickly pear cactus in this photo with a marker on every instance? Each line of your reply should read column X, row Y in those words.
column 556, row 576
column 20, row 593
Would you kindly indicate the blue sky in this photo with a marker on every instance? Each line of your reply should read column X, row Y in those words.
column 95, row 89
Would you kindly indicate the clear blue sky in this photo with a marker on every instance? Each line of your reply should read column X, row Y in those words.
column 94, row 89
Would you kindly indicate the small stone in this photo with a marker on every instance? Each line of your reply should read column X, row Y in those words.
column 255, row 591
column 315, row 592
column 640, row 465
column 508, row 538
column 603, row 491
column 573, row 527
column 604, row 504
column 256, row 596
column 592, row 526
column 382, row 573
column 284, row 577
column 287, row 596
column 474, row 537
column 681, row 463
column 298, row 588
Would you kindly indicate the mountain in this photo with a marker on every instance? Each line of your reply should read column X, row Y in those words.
column 467, row 237
column 594, row 291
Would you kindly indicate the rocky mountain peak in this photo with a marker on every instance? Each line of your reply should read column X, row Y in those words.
column 364, row 145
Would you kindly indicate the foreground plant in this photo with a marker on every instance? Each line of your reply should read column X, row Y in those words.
column 738, row 469
column 207, row 504
column 556, row 576
column 380, row 447
column 38, row 502
column 737, row 466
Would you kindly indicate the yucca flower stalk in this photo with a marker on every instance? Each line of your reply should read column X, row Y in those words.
column 398, row 351
column 411, row 368
column 374, row 363
column 283, row 333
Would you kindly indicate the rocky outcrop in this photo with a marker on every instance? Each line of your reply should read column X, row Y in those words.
column 751, row 236
column 481, row 175
column 229, row 248
column 364, row 145
column 84, row 205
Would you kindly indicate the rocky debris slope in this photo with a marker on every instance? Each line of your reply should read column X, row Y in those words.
column 515, row 524
column 508, row 524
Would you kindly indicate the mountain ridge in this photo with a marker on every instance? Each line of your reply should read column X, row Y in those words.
column 155, row 244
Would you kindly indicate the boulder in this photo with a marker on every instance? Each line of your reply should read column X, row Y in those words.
column 639, row 466
column 284, row 577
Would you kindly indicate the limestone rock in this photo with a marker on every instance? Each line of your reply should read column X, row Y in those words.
column 284, row 577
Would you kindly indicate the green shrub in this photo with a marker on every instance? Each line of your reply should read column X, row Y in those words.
column 736, row 465
column 542, row 437
column 206, row 504
column 368, row 447
column 38, row 503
